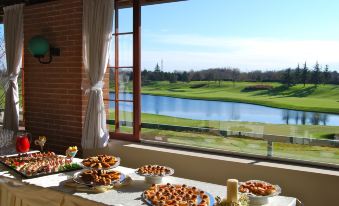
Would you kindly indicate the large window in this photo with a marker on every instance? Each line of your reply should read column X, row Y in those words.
column 247, row 77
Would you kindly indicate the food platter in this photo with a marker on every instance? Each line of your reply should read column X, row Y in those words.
column 154, row 173
column 37, row 164
column 99, row 162
column 78, row 178
column 185, row 198
column 259, row 195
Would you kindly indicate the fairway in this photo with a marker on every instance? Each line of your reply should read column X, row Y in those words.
column 307, row 131
column 324, row 98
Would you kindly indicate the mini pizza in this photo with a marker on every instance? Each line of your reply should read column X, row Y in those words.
column 100, row 177
column 154, row 170
column 100, row 162
column 178, row 195
column 259, row 188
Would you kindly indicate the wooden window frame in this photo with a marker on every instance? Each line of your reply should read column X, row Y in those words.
column 135, row 136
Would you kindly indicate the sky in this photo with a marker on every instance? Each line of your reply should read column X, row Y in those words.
column 246, row 34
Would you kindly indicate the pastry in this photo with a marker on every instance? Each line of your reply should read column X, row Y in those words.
column 154, row 170
column 100, row 162
column 258, row 188
column 100, row 177
column 179, row 195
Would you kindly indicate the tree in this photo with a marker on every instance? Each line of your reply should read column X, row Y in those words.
column 316, row 75
column 157, row 68
column 235, row 75
column 297, row 74
column 287, row 80
column 327, row 75
column 2, row 52
column 173, row 78
column 184, row 76
column 304, row 74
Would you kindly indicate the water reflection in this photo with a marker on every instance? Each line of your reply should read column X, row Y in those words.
column 227, row 111
column 305, row 118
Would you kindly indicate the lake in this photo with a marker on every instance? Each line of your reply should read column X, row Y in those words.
column 224, row 111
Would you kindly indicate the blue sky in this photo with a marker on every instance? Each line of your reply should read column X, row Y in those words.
column 248, row 34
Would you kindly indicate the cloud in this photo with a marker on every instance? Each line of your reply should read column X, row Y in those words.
column 199, row 52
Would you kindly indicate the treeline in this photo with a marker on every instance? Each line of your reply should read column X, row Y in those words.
column 291, row 76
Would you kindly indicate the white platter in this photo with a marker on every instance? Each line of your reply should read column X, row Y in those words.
column 258, row 199
column 155, row 179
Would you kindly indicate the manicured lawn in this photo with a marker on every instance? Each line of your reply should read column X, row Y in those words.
column 309, row 131
column 324, row 98
column 243, row 145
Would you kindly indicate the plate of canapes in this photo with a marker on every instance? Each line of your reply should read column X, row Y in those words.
column 101, row 162
column 258, row 191
column 174, row 194
column 154, row 173
column 98, row 177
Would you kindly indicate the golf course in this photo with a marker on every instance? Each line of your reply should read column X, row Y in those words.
column 323, row 98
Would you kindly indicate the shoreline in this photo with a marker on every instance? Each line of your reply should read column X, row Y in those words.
column 264, row 104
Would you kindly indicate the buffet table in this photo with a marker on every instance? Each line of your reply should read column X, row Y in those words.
column 128, row 195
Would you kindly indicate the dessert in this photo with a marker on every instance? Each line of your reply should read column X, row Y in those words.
column 71, row 151
column 259, row 188
column 38, row 163
column 100, row 162
column 154, row 170
column 100, row 177
column 181, row 195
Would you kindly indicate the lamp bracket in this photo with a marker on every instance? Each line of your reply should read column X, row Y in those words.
column 52, row 52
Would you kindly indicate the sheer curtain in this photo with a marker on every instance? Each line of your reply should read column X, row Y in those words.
column 97, row 34
column 13, row 27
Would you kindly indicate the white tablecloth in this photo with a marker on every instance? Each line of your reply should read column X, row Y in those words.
column 131, row 195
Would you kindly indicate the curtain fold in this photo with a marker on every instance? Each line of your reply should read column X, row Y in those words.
column 97, row 34
column 13, row 29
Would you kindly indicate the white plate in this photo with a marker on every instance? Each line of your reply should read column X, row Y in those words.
column 258, row 199
column 151, row 175
column 212, row 200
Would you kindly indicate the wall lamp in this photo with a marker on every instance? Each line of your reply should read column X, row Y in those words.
column 39, row 47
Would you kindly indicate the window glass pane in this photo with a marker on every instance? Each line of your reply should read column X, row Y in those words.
column 126, row 84
column 242, row 85
column 126, row 117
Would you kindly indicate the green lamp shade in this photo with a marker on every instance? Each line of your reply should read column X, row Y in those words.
column 38, row 46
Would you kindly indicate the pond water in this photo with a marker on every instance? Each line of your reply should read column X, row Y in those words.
column 225, row 111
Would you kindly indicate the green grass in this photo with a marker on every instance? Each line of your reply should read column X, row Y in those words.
column 244, row 145
column 236, row 144
column 324, row 98
column 309, row 131
column 241, row 145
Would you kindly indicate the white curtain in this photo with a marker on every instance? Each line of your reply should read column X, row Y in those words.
column 13, row 26
column 97, row 34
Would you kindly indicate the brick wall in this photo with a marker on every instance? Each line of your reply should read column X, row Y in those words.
column 54, row 102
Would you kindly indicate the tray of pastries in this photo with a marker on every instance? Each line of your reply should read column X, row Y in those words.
column 259, row 188
column 98, row 177
column 154, row 170
column 100, row 162
column 173, row 194
column 36, row 164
